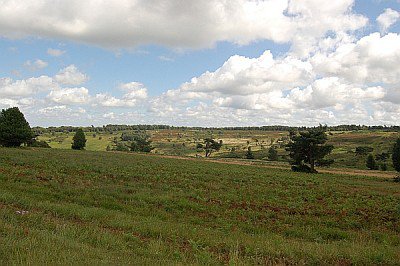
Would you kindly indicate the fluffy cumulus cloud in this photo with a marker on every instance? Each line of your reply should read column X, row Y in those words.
column 176, row 23
column 387, row 19
column 334, row 70
column 134, row 92
column 69, row 95
column 70, row 76
column 27, row 87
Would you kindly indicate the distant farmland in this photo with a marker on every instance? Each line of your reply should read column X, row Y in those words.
column 84, row 207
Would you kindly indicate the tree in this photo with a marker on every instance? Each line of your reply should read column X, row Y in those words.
column 272, row 154
column 14, row 129
column 249, row 154
column 371, row 163
column 211, row 145
column 308, row 149
column 363, row 150
column 396, row 155
column 79, row 140
column 141, row 143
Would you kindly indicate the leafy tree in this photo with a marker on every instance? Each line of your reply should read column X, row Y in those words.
column 79, row 140
column 141, row 143
column 249, row 154
column 211, row 145
column 396, row 155
column 384, row 167
column 363, row 150
column 14, row 129
column 382, row 156
column 307, row 149
column 371, row 163
column 272, row 154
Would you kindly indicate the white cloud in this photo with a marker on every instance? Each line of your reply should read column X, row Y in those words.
column 71, row 76
column 27, row 87
column 55, row 52
column 35, row 65
column 69, row 96
column 246, row 76
column 134, row 92
column 387, row 19
column 177, row 24
column 373, row 58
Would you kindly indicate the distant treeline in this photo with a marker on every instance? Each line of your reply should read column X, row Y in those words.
column 115, row 128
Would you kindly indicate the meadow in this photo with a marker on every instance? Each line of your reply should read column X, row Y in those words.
column 89, row 207
column 182, row 142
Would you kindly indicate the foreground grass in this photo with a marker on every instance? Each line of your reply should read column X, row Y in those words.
column 102, row 208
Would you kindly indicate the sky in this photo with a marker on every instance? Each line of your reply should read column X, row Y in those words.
column 210, row 63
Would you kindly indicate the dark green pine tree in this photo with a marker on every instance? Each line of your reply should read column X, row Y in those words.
column 371, row 163
column 272, row 154
column 79, row 140
column 249, row 154
column 14, row 129
column 308, row 149
column 396, row 155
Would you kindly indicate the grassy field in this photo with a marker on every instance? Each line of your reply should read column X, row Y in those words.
column 83, row 207
column 236, row 142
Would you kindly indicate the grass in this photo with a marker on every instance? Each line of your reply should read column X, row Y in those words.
column 112, row 208
column 182, row 142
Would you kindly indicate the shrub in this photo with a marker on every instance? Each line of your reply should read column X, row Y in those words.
column 38, row 144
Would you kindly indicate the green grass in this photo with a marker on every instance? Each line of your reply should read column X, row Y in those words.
column 113, row 208
column 183, row 143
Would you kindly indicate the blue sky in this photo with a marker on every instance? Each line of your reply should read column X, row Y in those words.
column 247, row 91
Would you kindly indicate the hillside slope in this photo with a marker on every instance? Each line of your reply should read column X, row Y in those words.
column 61, row 206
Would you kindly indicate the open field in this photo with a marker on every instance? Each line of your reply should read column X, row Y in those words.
column 236, row 142
column 64, row 206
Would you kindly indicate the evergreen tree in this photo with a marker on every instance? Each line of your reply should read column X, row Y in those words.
column 14, row 129
column 79, row 140
column 272, row 154
column 249, row 154
column 307, row 149
column 371, row 163
column 396, row 155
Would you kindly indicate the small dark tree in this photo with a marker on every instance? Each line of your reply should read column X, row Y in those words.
column 396, row 158
column 249, row 154
column 371, row 163
column 363, row 150
column 14, row 129
column 307, row 149
column 272, row 154
column 79, row 140
column 211, row 145
column 396, row 155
